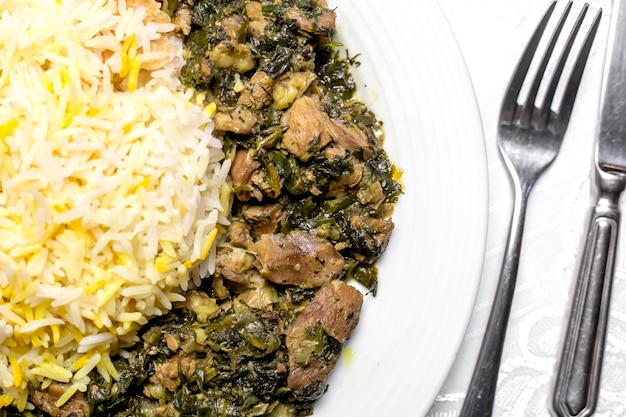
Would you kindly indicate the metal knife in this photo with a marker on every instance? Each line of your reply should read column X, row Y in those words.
column 578, row 374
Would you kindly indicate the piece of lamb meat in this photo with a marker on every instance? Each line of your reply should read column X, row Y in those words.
column 298, row 258
column 47, row 399
column 316, row 337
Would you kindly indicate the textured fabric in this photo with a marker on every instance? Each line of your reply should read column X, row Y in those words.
column 492, row 34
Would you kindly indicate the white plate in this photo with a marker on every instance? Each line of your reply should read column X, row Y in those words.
column 413, row 76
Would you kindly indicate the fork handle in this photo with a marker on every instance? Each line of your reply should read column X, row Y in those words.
column 482, row 388
column 578, row 374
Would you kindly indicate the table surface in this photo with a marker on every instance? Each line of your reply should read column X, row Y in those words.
column 491, row 35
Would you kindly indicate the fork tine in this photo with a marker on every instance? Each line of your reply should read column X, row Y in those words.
column 571, row 89
column 509, row 104
column 529, row 107
column 541, row 120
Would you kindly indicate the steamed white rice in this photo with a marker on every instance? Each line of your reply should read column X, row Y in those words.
column 112, row 188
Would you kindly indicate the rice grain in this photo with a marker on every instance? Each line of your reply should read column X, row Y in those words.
column 112, row 186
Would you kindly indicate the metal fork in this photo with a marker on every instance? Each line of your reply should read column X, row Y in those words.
column 529, row 138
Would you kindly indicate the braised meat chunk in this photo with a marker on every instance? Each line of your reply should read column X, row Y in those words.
column 323, row 24
column 240, row 120
column 47, row 399
column 298, row 258
column 170, row 373
column 234, row 264
column 307, row 130
column 257, row 92
column 263, row 219
column 315, row 338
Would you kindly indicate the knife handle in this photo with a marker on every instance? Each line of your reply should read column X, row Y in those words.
column 578, row 374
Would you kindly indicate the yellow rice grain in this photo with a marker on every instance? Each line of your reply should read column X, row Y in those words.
column 112, row 188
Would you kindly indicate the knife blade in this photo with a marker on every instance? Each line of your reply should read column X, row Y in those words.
column 611, row 153
column 578, row 374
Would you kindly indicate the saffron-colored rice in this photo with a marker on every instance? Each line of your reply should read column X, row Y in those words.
column 112, row 187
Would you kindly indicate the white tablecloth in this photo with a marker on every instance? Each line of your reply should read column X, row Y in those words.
column 492, row 34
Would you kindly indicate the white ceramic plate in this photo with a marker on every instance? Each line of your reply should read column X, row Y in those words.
column 413, row 75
